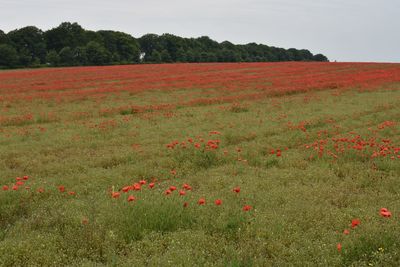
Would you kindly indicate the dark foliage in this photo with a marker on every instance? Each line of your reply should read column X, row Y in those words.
column 71, row 45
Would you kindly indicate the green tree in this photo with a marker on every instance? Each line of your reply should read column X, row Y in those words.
column 97, row 54
column 320, row 57
column 65, row 35
column 8, row 56
column 181, row 55
column 148, row 43
column 165, row 56
column 80, row 57
column 29, row 43
column 4, row 38
column 122, row 46
column 53, row 58
column 66, row 56
column 155, row 57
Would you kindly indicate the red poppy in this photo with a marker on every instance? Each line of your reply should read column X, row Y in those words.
column 14, row 187
column 218, row 202
column 346, row 232
column 172, row 188
column 115, row 194
column 19, row 183
column 26, row 177
column 72, row 193
column 385, row 213
column 173, row 172
column 137, row 186
column 168, row 192
column 197, row 145
column 187, row 187
column 151, row 185
column 278, row 153
column 18, row 178
column 5, row 187
column 131, row 198
column 61, row 188
column 85, row 221
column 126, row 188
column 182, row 193
column 247, row 207
column 40, row 190
column 201, row 201
column 339, row 247
column 185, row 204
column 236, row 189
column 355, row 223
column 142, row 182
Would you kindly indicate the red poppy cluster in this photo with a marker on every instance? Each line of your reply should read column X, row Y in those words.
column 277, row 152
column 22, row 183
column 197, row 143
column 244, row 81
column 185, row 188
column 384, row 212
column 19, row 182
column 372, row 147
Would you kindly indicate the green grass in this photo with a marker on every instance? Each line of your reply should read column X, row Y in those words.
column 300, row 205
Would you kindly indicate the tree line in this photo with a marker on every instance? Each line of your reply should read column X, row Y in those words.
column 71, row 45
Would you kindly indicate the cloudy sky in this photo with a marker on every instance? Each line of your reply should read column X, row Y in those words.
column 343, row 30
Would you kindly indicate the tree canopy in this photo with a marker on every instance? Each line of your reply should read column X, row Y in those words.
column 69, row 44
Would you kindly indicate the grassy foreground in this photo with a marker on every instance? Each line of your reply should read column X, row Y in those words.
column 294, row 203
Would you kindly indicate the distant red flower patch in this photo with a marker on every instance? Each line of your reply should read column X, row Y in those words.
column 201, row 201
column 218, row 202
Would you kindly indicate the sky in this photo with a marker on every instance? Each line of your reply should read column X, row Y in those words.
column 343, row 30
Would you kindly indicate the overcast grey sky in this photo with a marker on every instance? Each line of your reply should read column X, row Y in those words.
column 343, row 30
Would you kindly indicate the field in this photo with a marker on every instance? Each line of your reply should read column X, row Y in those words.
column 247, row 164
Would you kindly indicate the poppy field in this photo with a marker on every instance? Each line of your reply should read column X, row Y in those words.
column 233, row 164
